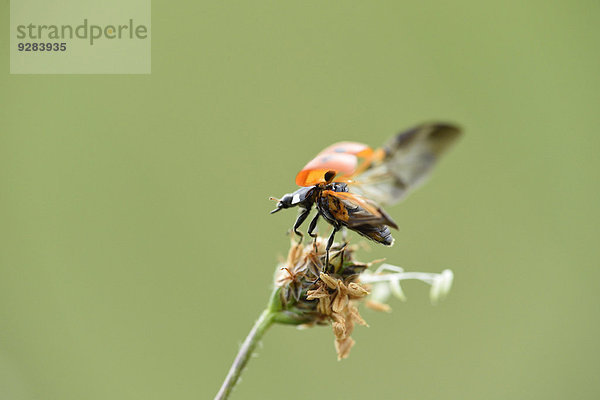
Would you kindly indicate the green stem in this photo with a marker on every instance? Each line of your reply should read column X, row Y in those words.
column 258, row 330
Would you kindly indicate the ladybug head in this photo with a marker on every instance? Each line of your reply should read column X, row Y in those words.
column 285, row 202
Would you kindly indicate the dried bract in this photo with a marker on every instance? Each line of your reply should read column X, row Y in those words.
column 311, row 295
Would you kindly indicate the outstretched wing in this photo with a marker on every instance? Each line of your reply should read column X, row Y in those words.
column 404, row 162
column 359, row 214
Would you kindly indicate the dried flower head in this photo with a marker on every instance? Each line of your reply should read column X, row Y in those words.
column 308, row 294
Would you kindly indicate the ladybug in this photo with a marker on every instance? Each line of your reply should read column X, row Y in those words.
column 347, row 181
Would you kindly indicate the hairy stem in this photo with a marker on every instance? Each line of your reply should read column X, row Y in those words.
column 258, row 330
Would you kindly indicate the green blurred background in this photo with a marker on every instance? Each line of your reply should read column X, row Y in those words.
column 136, row 245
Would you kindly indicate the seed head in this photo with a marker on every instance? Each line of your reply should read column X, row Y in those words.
column 310, row 294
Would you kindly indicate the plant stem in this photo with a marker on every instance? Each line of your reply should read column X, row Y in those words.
column 258, row 330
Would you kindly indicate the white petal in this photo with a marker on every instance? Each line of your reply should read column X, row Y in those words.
column 447, row 279
column 396, row 289
column 436, row 288
column 380, row 292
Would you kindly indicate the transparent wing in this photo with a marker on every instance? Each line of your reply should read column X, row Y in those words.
column 360, row 215
column 355, row 210
column 404, row 162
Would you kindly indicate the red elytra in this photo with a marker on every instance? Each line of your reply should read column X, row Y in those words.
column 358, row 149
column 341, row 157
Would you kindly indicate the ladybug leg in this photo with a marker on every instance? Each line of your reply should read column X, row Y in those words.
column 313, row 226
column 343, row 250
column 329, row 244
column 301, row 218
column 345, row 240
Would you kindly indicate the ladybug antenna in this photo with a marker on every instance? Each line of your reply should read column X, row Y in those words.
column 278, row 204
